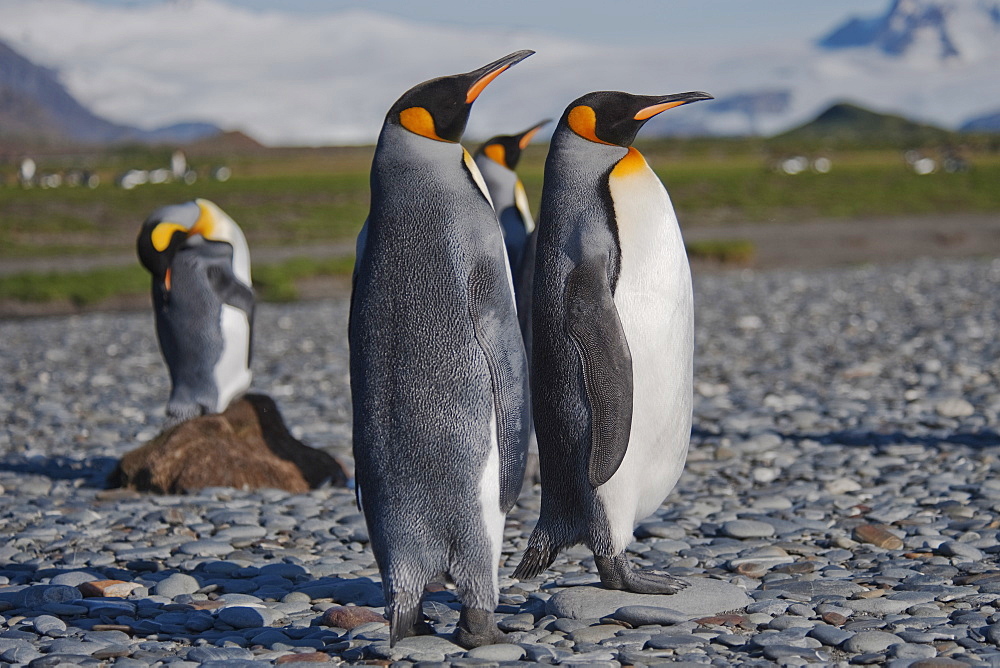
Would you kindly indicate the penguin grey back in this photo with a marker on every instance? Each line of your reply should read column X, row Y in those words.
column 438, row 376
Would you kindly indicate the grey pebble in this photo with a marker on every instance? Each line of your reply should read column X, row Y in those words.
column 870, row 641
column 640, row 615
column 505, row 652
column 175, row 585
column 747, row 529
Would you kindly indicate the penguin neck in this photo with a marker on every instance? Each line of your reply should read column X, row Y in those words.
column 571, row 151
column 500, row 181
column 398, row 148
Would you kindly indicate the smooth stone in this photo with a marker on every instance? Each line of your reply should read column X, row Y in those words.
column 245, row 617
column 522, row 622
column 674, row 641
column 36, row 596
column 912, row 651
column 954, row 548
column 878, row 606
column 829, row 635
column 46, row 624
column 500, row 652
column 747, row 529
column 73, row 578
column 594, row 634
column 641, row 615
column 206, row 654
column 865, row 642
column 702, row 598
column 176, row 585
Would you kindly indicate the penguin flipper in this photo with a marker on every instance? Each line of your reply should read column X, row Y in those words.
column 491, row 309
column 593, row 324
column 232, row 290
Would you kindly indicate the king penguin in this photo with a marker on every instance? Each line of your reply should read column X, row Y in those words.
column 203, row 303
column 439, row 380
column 497, row 159
column 613, row 340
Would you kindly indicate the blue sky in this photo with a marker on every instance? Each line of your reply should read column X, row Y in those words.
column 645, row 22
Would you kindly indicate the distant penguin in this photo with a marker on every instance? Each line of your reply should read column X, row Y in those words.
column 203, row 302
column 612, row 340
column 439, row 380
column 497, row 159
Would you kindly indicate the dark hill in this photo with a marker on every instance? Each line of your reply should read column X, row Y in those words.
column 35, row 108
column 845, row 123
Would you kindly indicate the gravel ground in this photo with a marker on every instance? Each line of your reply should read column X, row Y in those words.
column 842, row 472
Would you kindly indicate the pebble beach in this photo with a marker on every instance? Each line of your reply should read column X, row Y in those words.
column 840, row 504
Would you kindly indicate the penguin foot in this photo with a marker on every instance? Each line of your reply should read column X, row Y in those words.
column 617, row 573
column 477, row 628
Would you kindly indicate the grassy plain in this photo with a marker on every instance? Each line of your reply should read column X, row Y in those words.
column 308, row 197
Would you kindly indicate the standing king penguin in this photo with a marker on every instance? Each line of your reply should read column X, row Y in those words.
column 613, row 340
column 439, row 380
column 497, row 159
column 203, row 303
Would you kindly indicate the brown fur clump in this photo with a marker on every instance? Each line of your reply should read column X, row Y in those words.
column 248, row 446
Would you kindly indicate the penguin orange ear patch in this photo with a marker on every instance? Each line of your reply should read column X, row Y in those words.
column 419, row 121
column 583, row 121
column 496, row 153
column 163, row 233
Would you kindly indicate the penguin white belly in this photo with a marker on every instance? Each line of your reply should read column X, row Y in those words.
column 231, row 373
column 489, row 497
column 654, row 301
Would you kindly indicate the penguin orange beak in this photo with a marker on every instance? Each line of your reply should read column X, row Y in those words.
column 527, row 136
column 487, row 73
column 669, row 102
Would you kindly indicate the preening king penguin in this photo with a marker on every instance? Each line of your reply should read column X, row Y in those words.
column 203, row 303
column 439, row 380
column 613, row 339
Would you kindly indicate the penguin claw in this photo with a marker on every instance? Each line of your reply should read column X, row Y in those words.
column 617, row 573
column 653, row 582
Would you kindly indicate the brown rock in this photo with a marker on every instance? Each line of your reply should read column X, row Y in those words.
column 203, row 605
column 304, row 657
column 722, row 620
column 877, row 535
column 247, row 447
column 347, row 617
column 834, row 618
column 116, row 588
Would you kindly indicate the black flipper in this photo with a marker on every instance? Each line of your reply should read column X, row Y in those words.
column 491, row 309
column 234, row 292
column 593, row 324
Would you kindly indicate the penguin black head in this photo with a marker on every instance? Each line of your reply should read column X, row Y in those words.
column 506, row 149
column 612, row 117
column 173, row 227
column 439, row 109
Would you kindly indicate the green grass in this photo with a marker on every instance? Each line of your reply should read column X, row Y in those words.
column 272, row 282
column 79, row 288
column 725, row 251
column 283, row 197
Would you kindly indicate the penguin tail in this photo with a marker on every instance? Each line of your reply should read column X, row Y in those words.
column 402, row 621
column 539, row 555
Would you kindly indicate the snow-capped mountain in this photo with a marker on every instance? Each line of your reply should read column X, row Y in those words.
column 321, row 79
column 965, row 31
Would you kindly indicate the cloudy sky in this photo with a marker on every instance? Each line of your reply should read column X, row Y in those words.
column 620, row 22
